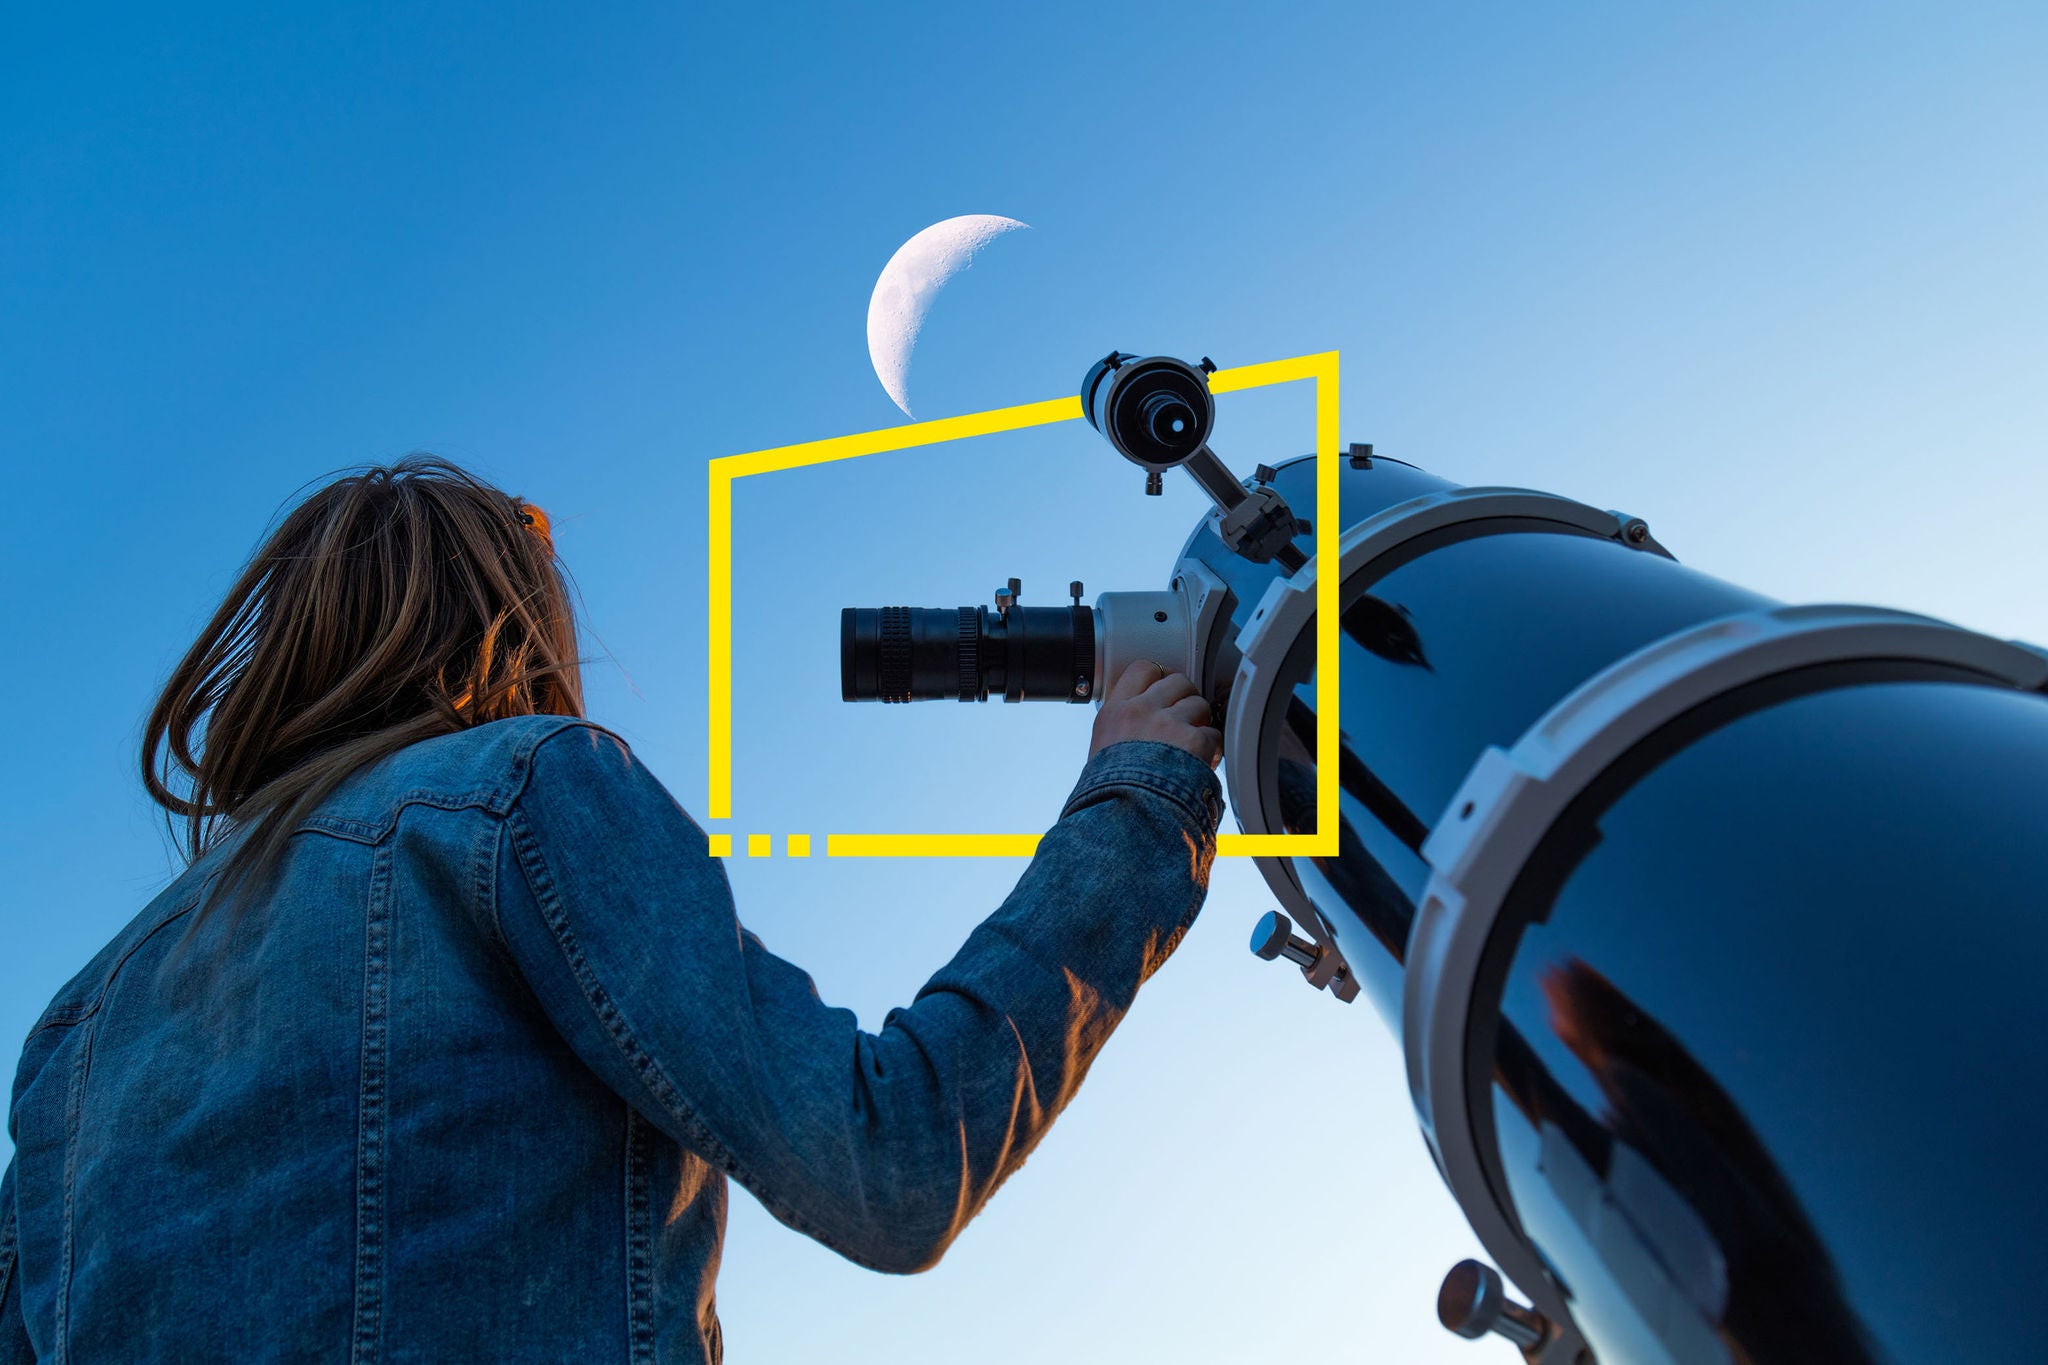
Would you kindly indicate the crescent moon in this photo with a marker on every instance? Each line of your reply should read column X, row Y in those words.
column 911, row 281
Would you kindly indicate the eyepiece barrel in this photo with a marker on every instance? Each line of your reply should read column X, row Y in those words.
column 898, row 654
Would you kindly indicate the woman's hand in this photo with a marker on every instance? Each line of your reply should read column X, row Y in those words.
column 1147, row 702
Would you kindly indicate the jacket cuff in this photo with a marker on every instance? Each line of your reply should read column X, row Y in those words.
column 1165, row 769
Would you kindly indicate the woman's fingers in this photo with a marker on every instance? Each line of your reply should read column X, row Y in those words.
column 1147, row 702
column 1134, row 680
column 1168, row 690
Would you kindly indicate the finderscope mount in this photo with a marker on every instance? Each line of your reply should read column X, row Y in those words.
column 1157, row 412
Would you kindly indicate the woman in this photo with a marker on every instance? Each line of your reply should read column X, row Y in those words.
column 446, row 1042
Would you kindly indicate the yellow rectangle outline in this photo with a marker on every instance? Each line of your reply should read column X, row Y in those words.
column 1322, row 368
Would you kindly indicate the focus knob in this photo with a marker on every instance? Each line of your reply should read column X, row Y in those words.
column 1273, row 937
column 1474, row 1301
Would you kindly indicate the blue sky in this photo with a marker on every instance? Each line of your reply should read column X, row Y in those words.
column 1769, row 276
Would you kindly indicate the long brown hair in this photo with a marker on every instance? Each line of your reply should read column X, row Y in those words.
column 394, row 604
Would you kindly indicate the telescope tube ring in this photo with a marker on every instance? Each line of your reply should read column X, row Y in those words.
column 1289, row 605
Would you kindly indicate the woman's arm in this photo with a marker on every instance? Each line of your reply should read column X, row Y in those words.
column 883, row 1145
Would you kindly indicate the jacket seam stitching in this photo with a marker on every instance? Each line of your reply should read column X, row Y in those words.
column 366, row 1337
column 490, row 850
column 71, row 1016
column 10, row 1242
column 524, row 760
column 376, row 832
column 1197, row 818
column 540, row 883
column 74, row 1107
column 497, row 800
column 639, row 1239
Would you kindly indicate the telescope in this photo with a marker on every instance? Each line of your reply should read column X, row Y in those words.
column 1711, row 927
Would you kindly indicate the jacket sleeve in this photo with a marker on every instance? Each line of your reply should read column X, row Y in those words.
column 14, row 1343
column 881, row 1146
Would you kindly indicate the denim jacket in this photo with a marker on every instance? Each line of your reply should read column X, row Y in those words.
column 467, row 1079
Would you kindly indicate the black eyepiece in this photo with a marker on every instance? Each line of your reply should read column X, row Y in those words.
column 1168, row 417
column 896, row 654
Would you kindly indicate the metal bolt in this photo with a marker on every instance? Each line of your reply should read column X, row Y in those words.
column 1263, row 474
column 1637, row 532
column 1074, row 589
column 1153, row 486
column 1474, row 1301
column 1361, row 455
column 1273, row 938
column 1159, row 616
column 1208, row 365
column 1080, row 687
